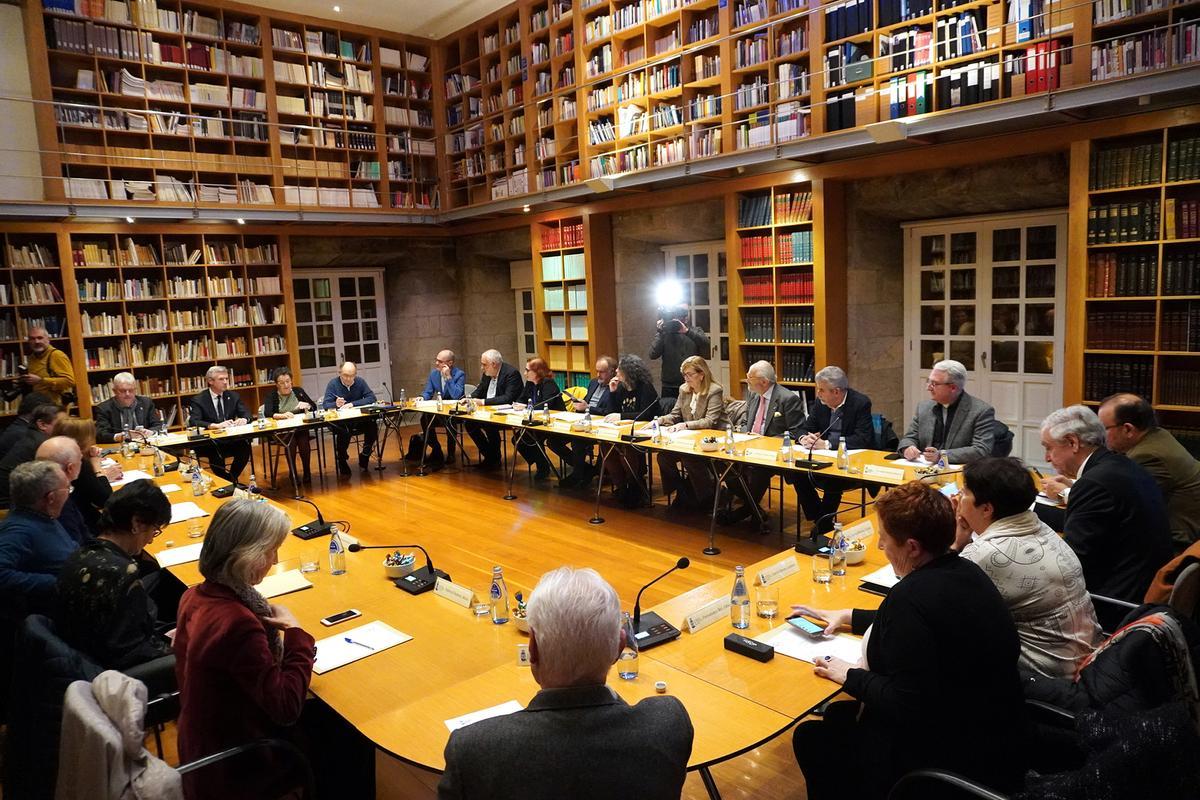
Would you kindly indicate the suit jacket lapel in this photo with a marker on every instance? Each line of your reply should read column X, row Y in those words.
column 960, row 418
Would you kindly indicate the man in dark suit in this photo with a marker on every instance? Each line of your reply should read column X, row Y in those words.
column 125, row 409
column 1116, row 521
column 950, row 421
column 21, row 423
column 347, row 389
column 24, row 448
column 577, row 738
column 594, row 402
column 842, row 415
column 771, row 410
column 500, row 385
column 217, row 408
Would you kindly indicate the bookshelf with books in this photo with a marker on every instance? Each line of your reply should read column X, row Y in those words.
column 1137, row 199
column 788, row 302
column 407, row 88
column 31, row 295
column 574, row 294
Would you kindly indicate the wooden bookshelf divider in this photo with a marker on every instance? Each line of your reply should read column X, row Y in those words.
column 574, row 294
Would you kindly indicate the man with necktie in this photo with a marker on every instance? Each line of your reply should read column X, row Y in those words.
column 216, row 408
column 951, row 421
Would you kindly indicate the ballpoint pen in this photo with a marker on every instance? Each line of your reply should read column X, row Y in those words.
column 360, row 644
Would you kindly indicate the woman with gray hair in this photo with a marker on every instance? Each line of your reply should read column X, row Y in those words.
column 634, row 396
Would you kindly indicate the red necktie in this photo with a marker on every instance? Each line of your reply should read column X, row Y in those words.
column 758, row 418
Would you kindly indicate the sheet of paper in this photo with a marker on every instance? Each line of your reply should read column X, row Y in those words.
column 238, row 430
column 174, row 556
column 132, row 475
column 833, row 453
column 181, row 512
column 108, row 462
column 168, row 488
column 1046, row 501
column 484, row 713
column 568, row 416
column 499, row 408
column 790, row 642
column 744, row 437
column 686, row 435
column 283, row 583
column 365, row 640
column 168, row 439
column 921, row 462
column 884, row 576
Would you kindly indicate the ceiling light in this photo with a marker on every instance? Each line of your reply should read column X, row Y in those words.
column 129, row 220
column 525, row 208
column 241, row 221
column 337, row 9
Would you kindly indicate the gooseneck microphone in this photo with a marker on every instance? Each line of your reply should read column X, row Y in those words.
column 809, row 463
column 415, row 582
column 632, row 435
column 652, row 629
column 312, row 530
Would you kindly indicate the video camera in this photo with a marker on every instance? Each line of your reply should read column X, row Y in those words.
column 673, row 317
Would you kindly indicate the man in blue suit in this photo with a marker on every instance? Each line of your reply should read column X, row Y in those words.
column 347, row 389
column 449, row 381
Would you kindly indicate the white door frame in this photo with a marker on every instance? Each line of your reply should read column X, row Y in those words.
column 374, row 373
column 715, row 250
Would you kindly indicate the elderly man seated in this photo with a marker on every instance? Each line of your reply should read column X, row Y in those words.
column 33, row 545
column 125, row 411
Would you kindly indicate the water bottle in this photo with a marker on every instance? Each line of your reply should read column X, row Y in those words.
column 843, row 458
column 729, row 440
column 437, row 398
column 337, row 554
column 627, row 662
column 785, row 451
column 197, row 480
column 837, row 551
column 587, row 420
column 546, row 414
column 126, row 442
column 941, row 460
column 160, row 467
column 403, row 398
column 655, row 436
column 252, row 488
column 499, row 597
column 739, row 600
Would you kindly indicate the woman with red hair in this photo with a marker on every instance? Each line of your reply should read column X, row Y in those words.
column 541, row 392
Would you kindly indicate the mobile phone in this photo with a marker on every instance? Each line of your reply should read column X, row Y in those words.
column 807, row 627
column 349, row 613
column 893, row 456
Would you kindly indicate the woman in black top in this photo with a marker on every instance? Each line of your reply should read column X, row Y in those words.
column 635, row 398
column 104, row 609
column 540, row 392
column 937, row 685
column 91, row 490
column 284, row 403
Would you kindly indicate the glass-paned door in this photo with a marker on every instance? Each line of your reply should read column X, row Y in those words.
column 526, row 327
column 341, row 317
column 699, row 268
column 988, row 291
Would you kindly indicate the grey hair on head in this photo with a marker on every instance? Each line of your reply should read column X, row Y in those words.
column 833, row 376
column 1078, row 421
column 575, row 616
column 955, row 371
column 241, row 536
column 763, row 369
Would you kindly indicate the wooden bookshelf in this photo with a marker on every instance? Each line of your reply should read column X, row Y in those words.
column 574, row 294
column 31, row 295
column 788, row 292
column 1135, row 217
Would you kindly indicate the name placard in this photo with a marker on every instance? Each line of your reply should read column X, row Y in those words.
column 707, row 614
column 761, row 455
column 482, row 413
column 886, row 473
column 779, row 571
column 859, row 531
column 459, row 595
column 514, row 419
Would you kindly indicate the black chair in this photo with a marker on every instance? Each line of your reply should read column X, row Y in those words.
column 293, row 753
column 1110, row 611
column 921, row 784
column 1002, row 439
column 1185, row 593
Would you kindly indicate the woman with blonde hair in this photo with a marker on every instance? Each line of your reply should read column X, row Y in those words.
column 91, row 490
column 699, row 406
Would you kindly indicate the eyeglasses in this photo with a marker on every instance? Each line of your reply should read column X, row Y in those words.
column 931, row 384
column 691, row 374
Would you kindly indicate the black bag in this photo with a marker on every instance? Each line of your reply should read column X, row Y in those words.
column 416, row 446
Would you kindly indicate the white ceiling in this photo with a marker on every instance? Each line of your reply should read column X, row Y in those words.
column 432, row 19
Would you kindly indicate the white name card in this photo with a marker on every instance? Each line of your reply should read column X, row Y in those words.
column 707, row 614
column 514, row 419
column 459, row 595
column 886, row 473
column 761, row 455
column 859, row 531
column 481, row 414
column 777, row 572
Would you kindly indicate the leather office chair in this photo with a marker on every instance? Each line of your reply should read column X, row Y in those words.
column 1002, row 439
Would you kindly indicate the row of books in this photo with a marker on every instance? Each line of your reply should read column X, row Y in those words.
column 849, row 19
column 411, row 61
column 1105, row 375
column 1123, row 222
column 563, row 236
column 796, row 287
column 1179, row 387
column 1183, row 159
column 1041, row 66
column 29, row 255
column 1180, row 328
column 1112, row 10
column 1131, row 165
column 758, row 290
column 1131, row 55
column 102, row 324
column 1122, row 274
column 909, row 94
column 1181, row 273
column 906, row 48
column 1120, row 329
column 757, row 251
column 796, row 327
column 794, row 247
column 758, row 326
column 148, row 322
column 797, row 368
column 893, row 11
column 1181, row 219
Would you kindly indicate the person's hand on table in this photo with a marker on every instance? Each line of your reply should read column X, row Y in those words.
column 611, row 418
column 518, row 406
column 912, row 453
column 931, row 454
column 834, row 619
column 339, row 402
column 302, row 406
column 281, row 618
column 832, row 668
column 1053, row 486
column 678, row 426
column 114, row 473
column 580, row 406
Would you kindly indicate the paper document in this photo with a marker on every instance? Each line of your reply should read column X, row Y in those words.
column 921, row 462
column 790, row 642
column 484, row 713
column 833, row 453
column 168, row 488
column 742, row 437
column 501, row 407
column 181, row 512
column 237, row 430
column 884, row 576
column 1046, row 501
column 568, row 416
column 283, row 583
column 174, row 556
column 132, row 475
column 365, row 640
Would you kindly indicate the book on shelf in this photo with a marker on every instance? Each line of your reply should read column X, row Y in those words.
column 1123, row 274
column 1181, row 218
column 1181, row 273
column 1110, row 223
column 1120, row 167
column 1183, row 159
column 1120, row 329
column 1105, row 375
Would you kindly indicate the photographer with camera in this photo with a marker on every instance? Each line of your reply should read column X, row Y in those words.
column 674, row 341
column 47, row 371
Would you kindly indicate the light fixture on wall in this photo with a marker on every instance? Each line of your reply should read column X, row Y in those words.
column 129, row 220
column 525, row 208
column 892, row 130
column 241, row 221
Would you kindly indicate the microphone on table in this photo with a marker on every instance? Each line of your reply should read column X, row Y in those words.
column 809, row 463
column 312, row 530
column 815, row 542
column 530, row 421
column 415, row 582
column 651, row 629
column 632, row 435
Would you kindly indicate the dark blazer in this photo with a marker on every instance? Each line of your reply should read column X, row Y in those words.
column 16, row 431
column 108, row 417
column 271, row 401
column 541, row 392
column 1178, row 475
column 1116, row 522
column 204, row 413
column 232, row 690
column 857, row 428
column 90, row 493
column 784, row 412
column 582, row 743
column 940, row 620
column 971, row 433
column 508, row 386
column 598, row 398
column 22, row 450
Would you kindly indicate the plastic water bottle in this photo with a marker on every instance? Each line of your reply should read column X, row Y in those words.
column 655, row 436
column 403, row 398
column 197, row 480
column 587, row 420
column 160, row 467
column 627, row 662
column 499, row 597
column 837, row 551
column 729, row 440
column 739, row 600
column 437, row 398
column 126, row 442
column 843, row 458
column 785, row 451
column 337, row 555
column 252, row 489
column 941, row 460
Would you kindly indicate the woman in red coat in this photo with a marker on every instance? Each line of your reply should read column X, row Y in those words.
column 243, row 664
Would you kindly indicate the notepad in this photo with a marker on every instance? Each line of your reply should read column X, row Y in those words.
column 169, row 488
column 790, row 642
column 174, row 556
column 365, row 640
column 283, row 583
column 833, row 453
column 132, row 475
column 181, row 512
column 880, row 581
column 484, row 713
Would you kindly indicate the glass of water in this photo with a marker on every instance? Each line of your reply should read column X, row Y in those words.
column 766, row 601
column 822, row 569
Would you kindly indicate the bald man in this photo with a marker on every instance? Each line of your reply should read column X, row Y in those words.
column 65, row 452
column 347, row 390
column 450, row 381
column 50, row 370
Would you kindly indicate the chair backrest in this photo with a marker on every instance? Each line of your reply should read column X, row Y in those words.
column 735, row 410
column 885, row 434
column 1002, row 442
column 1185, row 593
column 575, row 393
column 665, row 405
column 468, row 390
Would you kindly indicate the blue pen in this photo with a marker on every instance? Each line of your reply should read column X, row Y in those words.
column 360, row 644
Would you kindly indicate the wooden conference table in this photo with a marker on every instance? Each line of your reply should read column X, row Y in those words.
column 457, row 663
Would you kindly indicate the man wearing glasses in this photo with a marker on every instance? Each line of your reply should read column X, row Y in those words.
column 33, row 544
column 951, row 421
column 450, row 382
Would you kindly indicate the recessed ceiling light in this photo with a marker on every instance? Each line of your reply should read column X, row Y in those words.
column 129, row 220
column 241, row 221
column 525, row 208
column 337, row 9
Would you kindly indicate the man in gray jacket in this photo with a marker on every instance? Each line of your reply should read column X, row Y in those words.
column 951, row 421
column 576, row 738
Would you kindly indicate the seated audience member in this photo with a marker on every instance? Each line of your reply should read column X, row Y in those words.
column 577, row 738
column 286, row 402
column 1116, row 521
column 103, row 607
column 771, row 410
column 92, row 488
column 1037, row 573
column 347, row 390
column 540, row 392
column 1131, row 428
column 632, row 397
column 125, row 410
column 943, row 619
column 700, row 405
column 217, row 408
column 951, row 421
column 500, row 385
column 33, row 545
column 64, row 451
column 841, row 415
column 450, row 382
column 23, row 421
column 25, row 447
column 596, row 401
